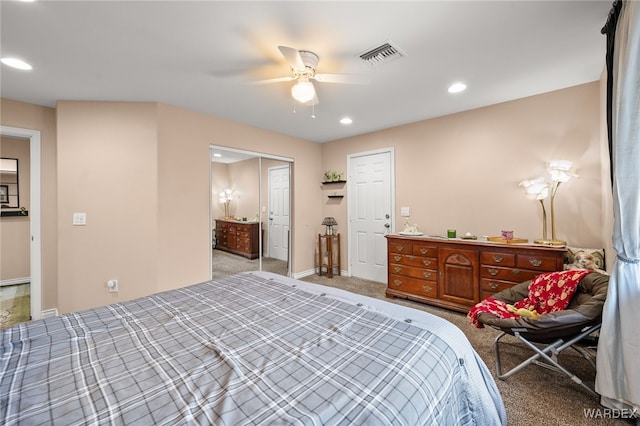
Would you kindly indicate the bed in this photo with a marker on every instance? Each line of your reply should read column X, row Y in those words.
column 253, row 348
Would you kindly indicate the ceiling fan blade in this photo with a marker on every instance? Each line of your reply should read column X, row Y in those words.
column 272, row 80
column 293, row 57
column 342, row 78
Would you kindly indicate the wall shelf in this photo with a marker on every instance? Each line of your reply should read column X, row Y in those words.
column 335, row 196
column 16, row 213
column 333, row 181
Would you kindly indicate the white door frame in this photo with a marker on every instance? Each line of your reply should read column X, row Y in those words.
column 34, row 214
column 351, row 206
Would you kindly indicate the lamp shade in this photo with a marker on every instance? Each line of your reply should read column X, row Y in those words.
column 329, row 221
column 303, row 91
column 561, row 170
column 536, row 189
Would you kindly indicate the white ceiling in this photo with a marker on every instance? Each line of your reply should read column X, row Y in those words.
column 200, row 55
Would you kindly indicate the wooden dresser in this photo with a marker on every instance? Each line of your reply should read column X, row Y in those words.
column 237, row 237
column 456, row 274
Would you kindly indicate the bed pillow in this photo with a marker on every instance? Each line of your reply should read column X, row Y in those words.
column 552, row 291
column 598, row 255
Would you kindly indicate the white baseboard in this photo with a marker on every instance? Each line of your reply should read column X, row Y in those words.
column 315, row 271
column 303, row 274
column 14, row 281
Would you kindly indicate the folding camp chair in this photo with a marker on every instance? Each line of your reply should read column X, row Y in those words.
column 552, row 333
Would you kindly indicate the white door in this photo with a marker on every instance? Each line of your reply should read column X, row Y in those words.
column 370, row 208
column 278, row 232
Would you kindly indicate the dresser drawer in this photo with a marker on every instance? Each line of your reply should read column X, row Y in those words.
column 411, row 271
column 420, row 249
column 498, row 259
column 417, row 261
column 513, row 275
column 413, row 285
column 494, row 286
column 400, row 247
column 244, row 245
column 539, row 263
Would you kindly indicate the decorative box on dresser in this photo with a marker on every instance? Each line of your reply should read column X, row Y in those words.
column 238, row 237
column 456, row 273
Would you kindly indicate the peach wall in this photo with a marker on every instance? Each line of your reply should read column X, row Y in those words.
column 108, row 169
column 192, row 133
column 219, row 183
column 15, row 241
column 141, row 173
column 462, row 171
column 35, row 117
column 244, row 178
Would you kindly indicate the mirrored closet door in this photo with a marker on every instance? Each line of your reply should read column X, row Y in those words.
column 250, row 212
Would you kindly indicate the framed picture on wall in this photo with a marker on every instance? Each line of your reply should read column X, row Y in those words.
column 4, row 194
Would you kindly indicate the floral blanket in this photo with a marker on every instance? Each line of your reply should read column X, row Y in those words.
column 549, row 292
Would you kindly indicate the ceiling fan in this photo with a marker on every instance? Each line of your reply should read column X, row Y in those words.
column 303, row 64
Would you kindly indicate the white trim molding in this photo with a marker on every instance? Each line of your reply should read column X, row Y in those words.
column 15, row 281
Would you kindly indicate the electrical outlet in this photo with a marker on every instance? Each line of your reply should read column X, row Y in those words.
column 79, row 219
column 112, row 285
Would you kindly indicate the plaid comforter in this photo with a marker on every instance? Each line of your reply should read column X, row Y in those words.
column 249, row 349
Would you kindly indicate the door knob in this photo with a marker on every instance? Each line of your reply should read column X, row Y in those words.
column 387, row 225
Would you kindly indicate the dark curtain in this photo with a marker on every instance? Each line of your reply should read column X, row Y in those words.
column 609, row 30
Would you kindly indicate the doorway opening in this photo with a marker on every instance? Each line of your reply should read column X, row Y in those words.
column 34, row 211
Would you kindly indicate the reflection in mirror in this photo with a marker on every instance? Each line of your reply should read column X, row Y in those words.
column 250, row 212
column 9, row 190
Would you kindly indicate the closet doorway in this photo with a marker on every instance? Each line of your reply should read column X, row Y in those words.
column 250, row 212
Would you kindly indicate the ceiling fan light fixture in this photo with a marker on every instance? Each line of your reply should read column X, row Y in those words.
column 303, row 91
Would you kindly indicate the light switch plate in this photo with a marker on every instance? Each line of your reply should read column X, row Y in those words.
column 404, row 211
column 79, row 219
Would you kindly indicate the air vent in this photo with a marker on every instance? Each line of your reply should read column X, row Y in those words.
column 48, row 313
column 384, row 53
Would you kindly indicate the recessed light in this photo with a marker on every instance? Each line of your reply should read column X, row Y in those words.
column 457, row 87
column 16, row 63
column 346, row 120
column 217, row 155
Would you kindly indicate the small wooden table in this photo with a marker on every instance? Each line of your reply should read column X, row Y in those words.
column 327, row 242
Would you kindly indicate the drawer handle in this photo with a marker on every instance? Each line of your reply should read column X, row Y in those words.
column 498, row 259
column 428, row 288
column 426, row 262
column 400, row 248
column 535, row 262
column 493, row 271
column 397, row 282
column 516, row 272
column 397, row 268
column 493, row 285
column 424, row 250
column 397, row 257
column 427, row 274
